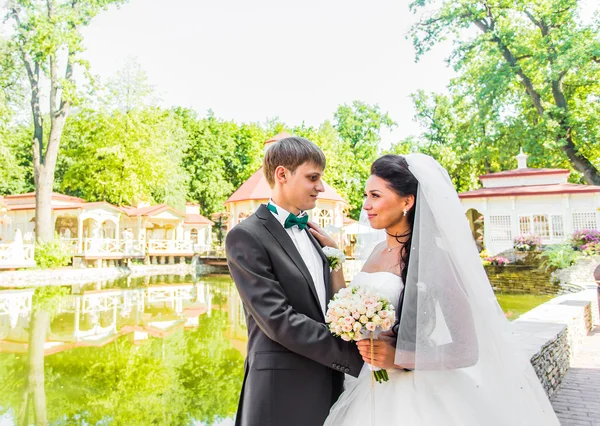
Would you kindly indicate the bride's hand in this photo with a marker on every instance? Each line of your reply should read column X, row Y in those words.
column 384, row 354
column 321, row 236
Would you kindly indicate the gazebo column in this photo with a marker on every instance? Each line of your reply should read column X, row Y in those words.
column 80, row 221
column 514, row 218
column 117, row 232
column 568, row 216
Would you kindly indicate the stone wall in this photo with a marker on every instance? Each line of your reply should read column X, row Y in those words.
column 552, row 333
column 579, row 276
column 521, row 279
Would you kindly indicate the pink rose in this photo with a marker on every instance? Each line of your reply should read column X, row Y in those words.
column 357, row 327
column 356, row 315
column 383, row 314
column 386, row 324
column 346, row 337
column 370, row 326
column 346, row 328
column 370, row 312
column 370, row 302
column 349, row 320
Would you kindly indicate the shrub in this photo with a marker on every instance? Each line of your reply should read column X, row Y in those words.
column 526, row 242
column 52, row 254
column 559, row 257
column 590, row 249
column 496, row 261
column 584, row 237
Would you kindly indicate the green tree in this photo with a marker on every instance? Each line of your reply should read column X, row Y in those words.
column 246, row 157
column 210, row 142
column 358, row 126
column 43, row 32
column 124, row 157
column 528, row 74
column 12, row 175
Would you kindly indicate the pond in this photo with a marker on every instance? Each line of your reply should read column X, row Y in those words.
column 165, row 350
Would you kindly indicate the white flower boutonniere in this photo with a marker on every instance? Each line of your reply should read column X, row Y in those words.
column 335, row 257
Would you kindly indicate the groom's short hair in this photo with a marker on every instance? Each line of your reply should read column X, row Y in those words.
column 290, row 153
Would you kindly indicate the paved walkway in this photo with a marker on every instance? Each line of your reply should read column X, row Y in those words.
column 577, row 401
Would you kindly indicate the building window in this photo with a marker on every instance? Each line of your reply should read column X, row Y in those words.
column 558, row 228
column 499, row 228
column 541, row 227
column 242, row 216
column 325, row 218
column 584, row 221
column 525, row 225
column 194, row 236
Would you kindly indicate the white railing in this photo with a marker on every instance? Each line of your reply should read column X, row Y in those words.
column 110, row 246
column 16, row 255
column 157, row 247
column 15, row 304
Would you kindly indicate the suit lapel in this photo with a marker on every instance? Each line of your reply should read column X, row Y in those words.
column 282, row 237
column 326, row 273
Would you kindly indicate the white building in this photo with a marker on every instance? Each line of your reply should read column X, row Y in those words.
column 99, row 232
column 532, row 201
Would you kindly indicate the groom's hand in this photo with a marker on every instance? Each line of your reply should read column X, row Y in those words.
column 321, row 236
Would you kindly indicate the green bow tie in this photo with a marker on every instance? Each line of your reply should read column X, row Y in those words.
column 292, row 220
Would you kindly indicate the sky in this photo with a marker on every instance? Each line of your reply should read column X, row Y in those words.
column 261, row 59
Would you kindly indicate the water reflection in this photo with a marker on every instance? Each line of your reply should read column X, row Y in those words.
column 158, row 350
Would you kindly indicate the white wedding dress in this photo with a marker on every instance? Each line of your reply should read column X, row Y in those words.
column 446, row 402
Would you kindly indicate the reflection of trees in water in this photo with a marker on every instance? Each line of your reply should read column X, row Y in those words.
column 32, row 401
column 213, row 371
column 191, row 375
column 188, row 375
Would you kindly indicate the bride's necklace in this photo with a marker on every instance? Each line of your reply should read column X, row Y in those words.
column 389, row 249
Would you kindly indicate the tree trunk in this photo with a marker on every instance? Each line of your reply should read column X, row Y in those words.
column 40, row 323
column 43, row 204
column 34, row 388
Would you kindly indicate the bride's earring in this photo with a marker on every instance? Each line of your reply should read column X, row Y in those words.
column 405, row 212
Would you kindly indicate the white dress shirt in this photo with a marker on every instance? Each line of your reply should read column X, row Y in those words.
column 308, row 252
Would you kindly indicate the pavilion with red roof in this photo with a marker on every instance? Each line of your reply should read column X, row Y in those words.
column 329, row 212
column 100, row 231
column 532, row 201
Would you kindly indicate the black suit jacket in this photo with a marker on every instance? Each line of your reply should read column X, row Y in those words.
column 294, row 368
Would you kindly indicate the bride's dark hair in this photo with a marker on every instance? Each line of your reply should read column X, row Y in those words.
column 394, row 170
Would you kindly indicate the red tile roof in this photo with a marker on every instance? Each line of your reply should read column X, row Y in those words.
column 150, row 210
column 525, row 172
column 192, row 218
column 531, row 190
column 257, row 188
column 55, row 196
column 278, row 137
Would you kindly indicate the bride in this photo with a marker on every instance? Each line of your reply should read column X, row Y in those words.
column 450, row 360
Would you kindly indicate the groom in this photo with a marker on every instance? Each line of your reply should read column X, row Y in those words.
column 295, row 368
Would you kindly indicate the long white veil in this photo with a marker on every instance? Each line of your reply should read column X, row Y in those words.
column 449, row 316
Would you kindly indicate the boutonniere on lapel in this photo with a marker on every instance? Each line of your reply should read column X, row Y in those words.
column 335, row 257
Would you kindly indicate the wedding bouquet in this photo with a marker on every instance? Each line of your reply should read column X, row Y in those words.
column 356, row 313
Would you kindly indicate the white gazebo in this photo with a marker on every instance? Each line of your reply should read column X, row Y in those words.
column 532, row 201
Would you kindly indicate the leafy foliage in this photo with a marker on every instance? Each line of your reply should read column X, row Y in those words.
column 52, row 254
